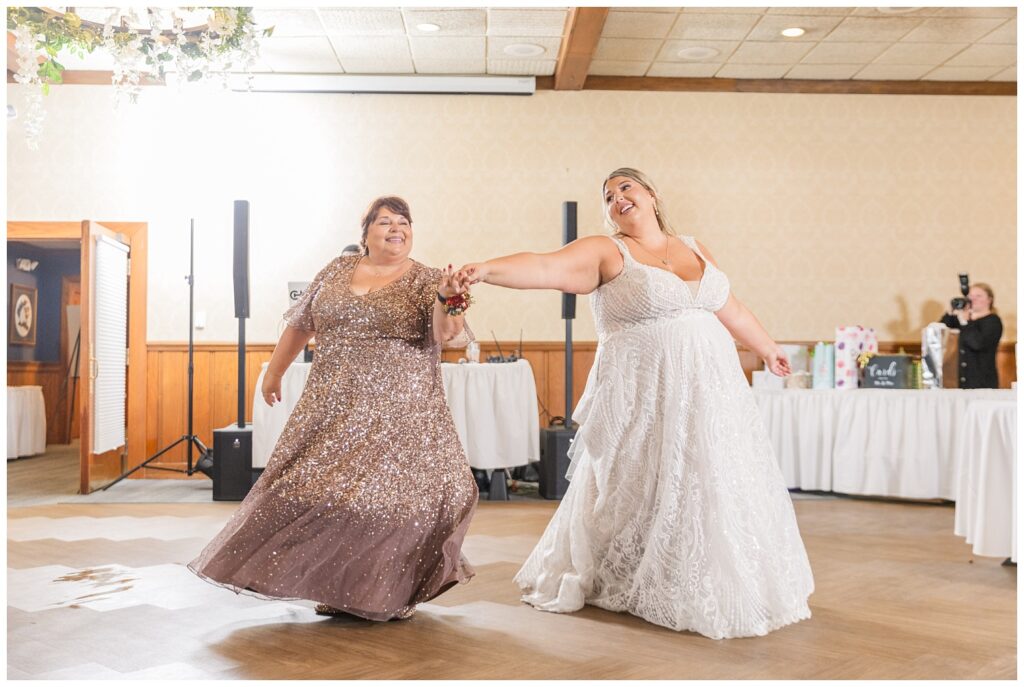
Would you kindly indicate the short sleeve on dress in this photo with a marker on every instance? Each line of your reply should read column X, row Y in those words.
column 300, row 315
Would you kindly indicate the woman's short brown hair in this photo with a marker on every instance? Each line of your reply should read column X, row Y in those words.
column 393, row 203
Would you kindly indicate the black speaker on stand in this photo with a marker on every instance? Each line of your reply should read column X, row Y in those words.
column 232, row 445
column 556, row 438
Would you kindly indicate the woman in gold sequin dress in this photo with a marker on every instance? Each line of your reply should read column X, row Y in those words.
column 368, row 495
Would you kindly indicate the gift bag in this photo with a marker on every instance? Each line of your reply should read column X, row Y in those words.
column 850, row 343
column 824, row 366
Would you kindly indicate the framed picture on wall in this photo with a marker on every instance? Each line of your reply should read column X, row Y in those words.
column 22, row 320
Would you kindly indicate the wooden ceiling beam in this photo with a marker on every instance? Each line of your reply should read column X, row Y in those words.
column 667, row 84
column 583, row 29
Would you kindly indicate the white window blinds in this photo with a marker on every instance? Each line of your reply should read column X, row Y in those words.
column 110, row 340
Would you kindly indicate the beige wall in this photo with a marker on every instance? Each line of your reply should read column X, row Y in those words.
column 823, row 209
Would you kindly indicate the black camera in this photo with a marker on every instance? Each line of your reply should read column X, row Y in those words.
column 965, row 286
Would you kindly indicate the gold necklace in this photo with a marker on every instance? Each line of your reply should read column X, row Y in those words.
column 663, row 261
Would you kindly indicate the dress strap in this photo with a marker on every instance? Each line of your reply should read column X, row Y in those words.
column 621, row 245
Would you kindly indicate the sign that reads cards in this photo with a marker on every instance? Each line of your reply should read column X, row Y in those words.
column 886, row 372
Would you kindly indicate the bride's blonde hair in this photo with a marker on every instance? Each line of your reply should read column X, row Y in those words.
column 642, row 179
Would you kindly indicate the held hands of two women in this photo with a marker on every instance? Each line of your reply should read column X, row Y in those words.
column 472, row 273
column 453, row 283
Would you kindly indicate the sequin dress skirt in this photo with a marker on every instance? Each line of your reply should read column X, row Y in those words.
column 367, row 496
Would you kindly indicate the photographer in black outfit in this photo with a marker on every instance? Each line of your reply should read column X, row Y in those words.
column 980, row 331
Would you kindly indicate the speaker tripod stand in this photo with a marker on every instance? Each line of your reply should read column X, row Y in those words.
column 205, row 463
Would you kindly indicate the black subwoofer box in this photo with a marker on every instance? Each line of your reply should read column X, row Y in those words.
column 232, row 463
column 554, row 460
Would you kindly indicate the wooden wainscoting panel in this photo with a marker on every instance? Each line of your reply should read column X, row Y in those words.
column 216, row 377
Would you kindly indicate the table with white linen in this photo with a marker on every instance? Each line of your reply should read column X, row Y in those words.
column 901, row 443
column 986, row 499
column 26, row 421
column 494, row 406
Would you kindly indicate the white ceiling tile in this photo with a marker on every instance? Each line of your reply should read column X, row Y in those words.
column 637, row 24
column 521, row 67
column 857, row 29
column 1006, row 75
column 432, row 66
column 532, row 22
column 362, row 22
column 451, row 48
column 289, row 22
column 771, row 25
column 951, row 30
column 693, row 70
column 381, row 65
column 1007, row 33
column 669, row 52
column 725, row 10
column 371, row 47
column 752, row 71
column 723, row 27
column 985, row 56
column 617, row 68
column 453, row 22
column 823, row 71
column 496, row 47
column 834, row 11
column 299, row 54
column 920, row 53
column 962, row 74
column 892, row 72
column 844, row 53
column 632, row 49
column 1003, row 12
column 751, row 52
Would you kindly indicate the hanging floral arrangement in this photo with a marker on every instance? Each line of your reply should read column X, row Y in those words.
column 197, row 43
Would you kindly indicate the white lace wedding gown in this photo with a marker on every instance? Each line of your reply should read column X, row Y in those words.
column 676, row 510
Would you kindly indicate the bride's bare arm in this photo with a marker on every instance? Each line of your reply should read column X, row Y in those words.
column 579, row 267
column 749, row 331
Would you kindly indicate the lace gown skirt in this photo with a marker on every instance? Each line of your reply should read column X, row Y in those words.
column 676, row 510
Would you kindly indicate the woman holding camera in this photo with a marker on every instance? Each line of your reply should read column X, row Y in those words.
column 980, row 331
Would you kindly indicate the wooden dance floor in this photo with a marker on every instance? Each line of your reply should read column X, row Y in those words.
column 100, row 591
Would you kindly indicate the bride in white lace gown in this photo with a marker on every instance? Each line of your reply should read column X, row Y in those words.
column 676, row 510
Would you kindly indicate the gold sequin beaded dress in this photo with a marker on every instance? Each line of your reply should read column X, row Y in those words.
column 367, row 496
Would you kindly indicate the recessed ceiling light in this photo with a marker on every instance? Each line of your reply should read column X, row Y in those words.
column 697, row 53
column 897, row 10
column 524, row 50
column 793, row 32
column 428, row 28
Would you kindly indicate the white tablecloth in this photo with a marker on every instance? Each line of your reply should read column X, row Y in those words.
column 494, row 407
column 879, row 442
column 986, row 502
column 495, row 411
column 26, row 421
